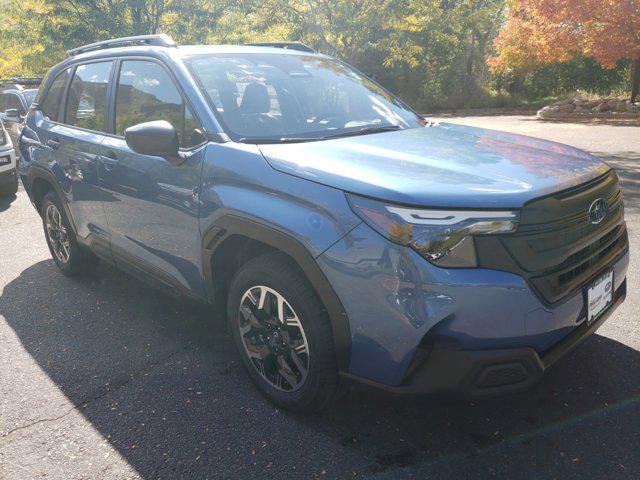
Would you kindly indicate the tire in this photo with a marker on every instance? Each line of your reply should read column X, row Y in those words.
column 69, row 256
column 11, row 190
column 307, row 322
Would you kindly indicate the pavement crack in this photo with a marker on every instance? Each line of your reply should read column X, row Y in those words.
column 86, row 403
column 37, row 422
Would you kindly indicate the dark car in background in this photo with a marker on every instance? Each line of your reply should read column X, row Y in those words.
column 16, row 95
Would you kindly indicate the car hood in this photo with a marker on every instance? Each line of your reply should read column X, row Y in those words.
column 443, row 165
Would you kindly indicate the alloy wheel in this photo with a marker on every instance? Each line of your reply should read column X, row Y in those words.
column 273, row 338
column 57, row 233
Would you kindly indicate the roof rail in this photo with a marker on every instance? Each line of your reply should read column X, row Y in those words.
column 21, row 81
column 160, row 40
column 301, row 47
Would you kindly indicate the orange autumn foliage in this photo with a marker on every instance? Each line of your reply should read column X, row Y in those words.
column 545, row 31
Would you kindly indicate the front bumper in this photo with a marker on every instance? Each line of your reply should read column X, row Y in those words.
column 8, row 174
column 485, row 373
column 8, row 178
column 419, row 328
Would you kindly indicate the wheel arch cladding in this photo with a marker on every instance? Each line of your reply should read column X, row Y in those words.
column 40, row 182
column 233, row 240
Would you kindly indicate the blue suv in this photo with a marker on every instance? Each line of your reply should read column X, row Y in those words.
column 345, row 236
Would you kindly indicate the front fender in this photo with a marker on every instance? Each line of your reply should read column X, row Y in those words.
column 237, row 180
column 242, row 195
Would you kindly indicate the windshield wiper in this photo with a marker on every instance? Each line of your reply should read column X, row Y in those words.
column 364, row 131
column 266, row 141
column 351, row 133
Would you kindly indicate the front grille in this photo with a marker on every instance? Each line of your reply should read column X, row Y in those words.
column 592, row 254
column 556, row 248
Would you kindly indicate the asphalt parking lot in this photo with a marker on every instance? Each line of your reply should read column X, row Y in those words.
column 104, row 378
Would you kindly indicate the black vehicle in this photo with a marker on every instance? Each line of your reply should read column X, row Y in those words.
column 16, row 95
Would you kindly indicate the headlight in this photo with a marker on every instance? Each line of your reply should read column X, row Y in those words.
column 444, row 237
column 3, row 135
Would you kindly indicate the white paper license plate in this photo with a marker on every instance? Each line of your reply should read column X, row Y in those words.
column 599, row 296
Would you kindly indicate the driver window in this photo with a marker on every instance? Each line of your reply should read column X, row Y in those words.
column 145, row 93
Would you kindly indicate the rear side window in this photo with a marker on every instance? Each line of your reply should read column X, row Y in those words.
column 50, row 106
column 87, row 97
column 146, row 93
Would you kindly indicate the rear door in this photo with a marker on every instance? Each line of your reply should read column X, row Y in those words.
column 76, row 141
column 151, row 205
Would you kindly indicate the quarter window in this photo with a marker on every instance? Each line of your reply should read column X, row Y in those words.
column 50, row 106
column 146, row 93
column 87, row 97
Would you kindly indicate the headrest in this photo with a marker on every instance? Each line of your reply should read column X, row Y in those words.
column 255, row 99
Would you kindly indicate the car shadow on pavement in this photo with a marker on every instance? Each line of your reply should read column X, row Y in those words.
column 160, row 380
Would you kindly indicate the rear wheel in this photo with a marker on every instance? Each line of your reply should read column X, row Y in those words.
column 68, row 255
column 283, row 334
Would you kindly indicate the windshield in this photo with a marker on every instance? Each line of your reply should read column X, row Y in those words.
column 29, row 96
column 279, row 97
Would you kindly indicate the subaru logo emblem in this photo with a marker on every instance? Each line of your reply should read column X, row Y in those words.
column 598, row 211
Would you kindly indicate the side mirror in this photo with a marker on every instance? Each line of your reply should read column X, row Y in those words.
column 12, row 113
column 157, row 138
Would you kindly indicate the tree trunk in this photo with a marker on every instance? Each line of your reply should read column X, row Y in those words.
column 635, row 83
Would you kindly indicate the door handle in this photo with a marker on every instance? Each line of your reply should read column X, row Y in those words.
column 109, row 161
column 54, row 143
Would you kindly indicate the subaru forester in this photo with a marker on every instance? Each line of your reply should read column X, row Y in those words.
column 344, row 236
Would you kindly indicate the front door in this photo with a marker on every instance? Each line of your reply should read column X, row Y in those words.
column 151, row 205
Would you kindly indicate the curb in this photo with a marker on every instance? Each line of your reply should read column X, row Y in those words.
column 481, row 112
column 586, row 117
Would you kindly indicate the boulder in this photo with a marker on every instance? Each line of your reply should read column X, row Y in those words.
column 632, row 107
column 562, row 102
column 589, row 104
column 565, row 108
column 585, row 109
column 620, row 107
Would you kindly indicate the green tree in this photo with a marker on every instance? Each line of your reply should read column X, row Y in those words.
column 433, row 53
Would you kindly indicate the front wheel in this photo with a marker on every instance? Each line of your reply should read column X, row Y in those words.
column 283, row 334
